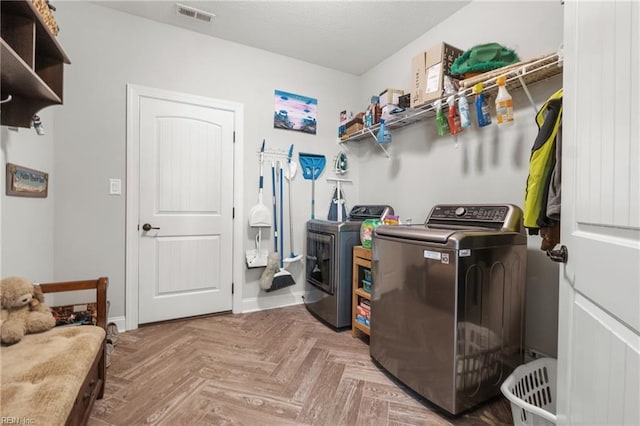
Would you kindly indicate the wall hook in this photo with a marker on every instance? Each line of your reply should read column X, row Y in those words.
column 8, row 99
column 37, row 125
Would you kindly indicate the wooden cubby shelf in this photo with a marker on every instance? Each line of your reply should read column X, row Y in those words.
column 31, row 70
column 361, row 262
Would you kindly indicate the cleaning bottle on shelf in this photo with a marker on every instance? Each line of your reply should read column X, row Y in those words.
column 383, row 136
column 504, row 104
column 463, row 110
column 482, row 107
column 441, row 120
column 453, row 116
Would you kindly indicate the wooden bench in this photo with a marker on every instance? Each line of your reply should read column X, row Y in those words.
column 54, row 377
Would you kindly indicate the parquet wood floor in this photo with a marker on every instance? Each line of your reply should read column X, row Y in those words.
column 274, row 367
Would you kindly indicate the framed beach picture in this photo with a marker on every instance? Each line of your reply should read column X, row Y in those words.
column 25, row 182
column 295, row 112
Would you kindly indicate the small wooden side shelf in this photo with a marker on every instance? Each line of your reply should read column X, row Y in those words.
column 361, row 262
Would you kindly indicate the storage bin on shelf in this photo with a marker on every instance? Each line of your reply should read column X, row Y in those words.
column 531, row 390
column 47, row 16
column 363, row 313
column 366, row 286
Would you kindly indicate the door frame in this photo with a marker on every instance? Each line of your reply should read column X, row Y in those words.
column 134, row 94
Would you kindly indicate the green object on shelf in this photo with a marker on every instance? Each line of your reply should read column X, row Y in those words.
column 483, row 58
column 366, row 285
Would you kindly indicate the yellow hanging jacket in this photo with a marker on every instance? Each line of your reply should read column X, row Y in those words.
column 542, row 163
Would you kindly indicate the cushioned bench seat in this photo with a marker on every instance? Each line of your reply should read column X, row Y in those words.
column 54, row 377
column 43, row 384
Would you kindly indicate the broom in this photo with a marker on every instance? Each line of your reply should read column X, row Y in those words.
column 273, row 264
column 282, row 278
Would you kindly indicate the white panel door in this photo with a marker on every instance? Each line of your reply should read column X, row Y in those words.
column 599, row 318
column 186, row 192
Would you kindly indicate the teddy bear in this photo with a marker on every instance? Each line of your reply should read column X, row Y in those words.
column 23, row 310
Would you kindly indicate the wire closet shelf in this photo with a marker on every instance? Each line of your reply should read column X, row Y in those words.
column 518, row 76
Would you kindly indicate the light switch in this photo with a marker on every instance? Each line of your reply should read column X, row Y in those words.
column 115, row 187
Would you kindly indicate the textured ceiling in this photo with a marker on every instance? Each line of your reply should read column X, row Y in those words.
column 350, row 36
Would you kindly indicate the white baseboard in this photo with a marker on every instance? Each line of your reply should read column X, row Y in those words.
column 268, row 301
column 252, row 304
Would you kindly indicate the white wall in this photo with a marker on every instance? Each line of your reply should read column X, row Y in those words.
column 27, row 223
column 111, row 49
column 487, row 164
column 481, row 165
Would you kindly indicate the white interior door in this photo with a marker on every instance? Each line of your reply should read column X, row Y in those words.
column 186, row 197
column 599, row 318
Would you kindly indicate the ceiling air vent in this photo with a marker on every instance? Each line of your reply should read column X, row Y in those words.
column 193, row 13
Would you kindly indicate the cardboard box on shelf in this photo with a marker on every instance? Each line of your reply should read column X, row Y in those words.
column 390, row 96
column 428, row 70
column 404, row 101
column 386, row 111
column 363, row 312
column 355, row 124
column 439, row 60
column 418, row 79
column 363, row 320
column 354, row 127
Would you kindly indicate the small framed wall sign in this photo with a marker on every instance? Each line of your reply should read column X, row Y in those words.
column 26, row 182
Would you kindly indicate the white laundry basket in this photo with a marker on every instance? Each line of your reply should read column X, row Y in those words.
column 531, row 389
column 479, row 356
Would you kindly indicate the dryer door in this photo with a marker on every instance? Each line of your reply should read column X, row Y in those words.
column 319, row 266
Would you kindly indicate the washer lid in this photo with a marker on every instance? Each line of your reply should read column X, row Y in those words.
column 416, row 232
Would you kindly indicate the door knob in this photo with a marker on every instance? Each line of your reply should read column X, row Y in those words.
column 148, row 227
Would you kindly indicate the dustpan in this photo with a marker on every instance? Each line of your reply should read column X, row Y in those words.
column 259, row 215
column 312, row 166
column 259, row 256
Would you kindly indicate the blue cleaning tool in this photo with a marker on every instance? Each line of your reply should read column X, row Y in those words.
column 312, row 166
